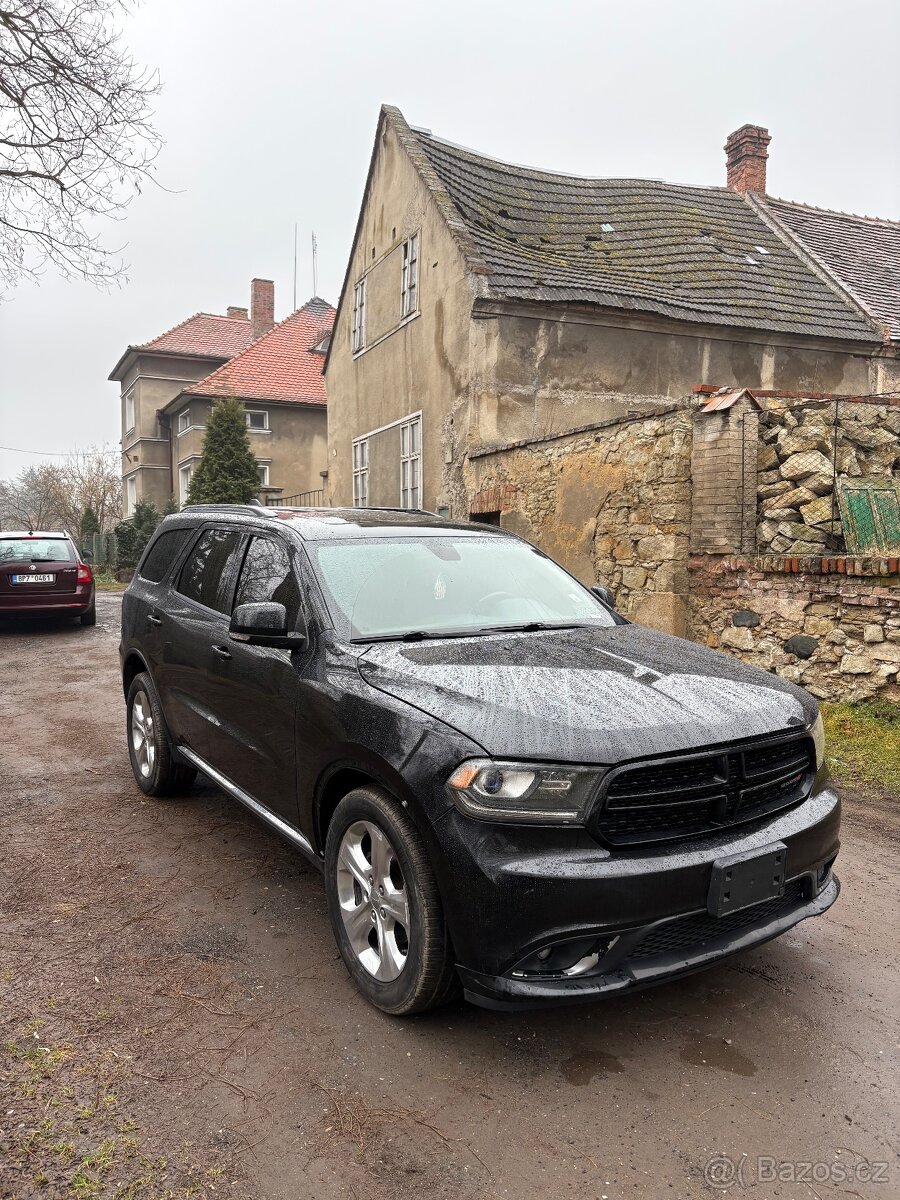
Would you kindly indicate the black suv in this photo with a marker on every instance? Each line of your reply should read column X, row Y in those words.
column 504, row 782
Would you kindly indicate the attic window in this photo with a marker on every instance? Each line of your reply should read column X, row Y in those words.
column 751, row 260
column 409, row 276
column 358, row 324
column 607, row 228
column 761, row 249
column 321, row 347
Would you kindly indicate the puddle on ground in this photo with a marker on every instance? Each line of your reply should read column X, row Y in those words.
column 581, row 1068
column 716, row 1052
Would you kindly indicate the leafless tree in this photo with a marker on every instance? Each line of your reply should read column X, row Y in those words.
column 55, row 496
column 29, row 500
column 76, row 137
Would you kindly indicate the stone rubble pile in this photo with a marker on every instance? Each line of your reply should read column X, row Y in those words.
column 801, row 454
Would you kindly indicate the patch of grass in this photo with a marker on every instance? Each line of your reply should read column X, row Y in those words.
column 105, row 581
column 862, row 742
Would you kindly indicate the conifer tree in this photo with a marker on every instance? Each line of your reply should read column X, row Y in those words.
column 228, row 472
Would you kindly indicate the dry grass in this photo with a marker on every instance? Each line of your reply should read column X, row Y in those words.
column 863, row 744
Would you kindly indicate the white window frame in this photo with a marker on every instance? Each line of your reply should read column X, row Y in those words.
column 184, row 484
column 411, row 462
column 361, row 473
column 263, row 469
column 184, row 420
column 358, row 323
column 130, row 495
column 129, row 410
column 257, row 412
column 409, row 277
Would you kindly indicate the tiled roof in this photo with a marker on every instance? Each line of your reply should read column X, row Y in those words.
column 205, row 334
column 862, row 253
column 699, row 254
column 281, row 365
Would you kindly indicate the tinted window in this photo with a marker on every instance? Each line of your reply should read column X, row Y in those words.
column 162, row 554
column 267, row 575
column 202, row 573
column 36, row 549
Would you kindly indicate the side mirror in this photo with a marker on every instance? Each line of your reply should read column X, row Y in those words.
column 604, row 594
column 265, row 624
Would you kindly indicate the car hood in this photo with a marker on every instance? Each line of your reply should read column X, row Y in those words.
column 600, row 695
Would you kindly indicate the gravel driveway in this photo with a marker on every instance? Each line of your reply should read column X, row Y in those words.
column 176, row 1021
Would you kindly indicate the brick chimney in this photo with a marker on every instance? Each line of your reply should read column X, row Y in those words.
column 745, row 159
column 262, row 306
column 234, row 310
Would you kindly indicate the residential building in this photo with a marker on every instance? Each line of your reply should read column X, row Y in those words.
column 492, row 315
column 169, row 384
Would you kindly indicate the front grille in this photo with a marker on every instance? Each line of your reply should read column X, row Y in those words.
column 689, row 933
column 677, row 798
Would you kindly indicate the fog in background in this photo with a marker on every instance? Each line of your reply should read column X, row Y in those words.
column 268, row 112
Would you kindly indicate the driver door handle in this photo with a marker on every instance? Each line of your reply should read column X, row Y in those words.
column 221, row 651
column 151, row 620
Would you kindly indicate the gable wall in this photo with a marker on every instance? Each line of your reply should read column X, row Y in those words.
column 421, row 363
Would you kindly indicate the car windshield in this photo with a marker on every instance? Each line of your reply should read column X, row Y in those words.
column 448, row 585
column 36, row 549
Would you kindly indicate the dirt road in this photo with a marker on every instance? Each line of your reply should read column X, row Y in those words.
column 176, row 1021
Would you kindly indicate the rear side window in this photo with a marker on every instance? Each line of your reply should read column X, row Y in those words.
column 201, row 575
column 36, row 549
column 162, row 554
column 267, row 575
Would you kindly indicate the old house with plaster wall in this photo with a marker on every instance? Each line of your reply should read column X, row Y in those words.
column 169, row 384
column 539, row 351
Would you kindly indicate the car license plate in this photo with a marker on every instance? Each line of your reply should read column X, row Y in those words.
column 33, row 578
column 742, row 880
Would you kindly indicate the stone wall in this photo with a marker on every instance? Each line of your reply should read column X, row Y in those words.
column 805, row 445
column 611, row 502
column 835, row 630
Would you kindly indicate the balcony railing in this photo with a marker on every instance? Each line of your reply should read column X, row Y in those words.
column 314, row 499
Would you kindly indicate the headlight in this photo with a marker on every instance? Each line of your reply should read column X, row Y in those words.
column 512, row 791
column 818, row 736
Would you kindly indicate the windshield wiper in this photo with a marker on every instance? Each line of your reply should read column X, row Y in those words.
column 421, row 635
column 535, row 626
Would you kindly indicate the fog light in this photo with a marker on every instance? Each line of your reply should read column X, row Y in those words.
column 562, row 958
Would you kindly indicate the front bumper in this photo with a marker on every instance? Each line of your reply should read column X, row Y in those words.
column 511, row 891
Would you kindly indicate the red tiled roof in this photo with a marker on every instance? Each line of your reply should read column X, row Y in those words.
column 205, row 334
column 280, row 365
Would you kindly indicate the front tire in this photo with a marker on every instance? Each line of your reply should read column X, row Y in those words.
column 385, row 910
column 149, row 747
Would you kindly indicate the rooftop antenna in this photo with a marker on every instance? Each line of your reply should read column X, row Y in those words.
column 294, row 308
column 315, row 253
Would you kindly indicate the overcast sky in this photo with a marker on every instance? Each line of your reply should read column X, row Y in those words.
column 268, row 113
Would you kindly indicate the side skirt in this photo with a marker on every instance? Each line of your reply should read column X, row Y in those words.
column 287, row 831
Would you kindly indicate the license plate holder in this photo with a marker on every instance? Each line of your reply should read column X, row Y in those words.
column 742, row 880
column 34, row 578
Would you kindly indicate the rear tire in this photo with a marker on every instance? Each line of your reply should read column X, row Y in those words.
column 149, row 745
column 384, row 905
column 89, row 616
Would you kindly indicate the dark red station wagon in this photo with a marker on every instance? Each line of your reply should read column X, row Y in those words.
column 43, row 574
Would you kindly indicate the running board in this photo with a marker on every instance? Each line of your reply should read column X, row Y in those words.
column 277, row 823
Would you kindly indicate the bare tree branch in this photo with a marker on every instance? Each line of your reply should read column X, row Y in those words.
column 55, row 496
column 76, row 137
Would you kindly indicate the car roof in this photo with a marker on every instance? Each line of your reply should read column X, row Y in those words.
column 36, row 533
column 329, row 524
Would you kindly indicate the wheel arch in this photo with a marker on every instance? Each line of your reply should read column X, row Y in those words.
column 133, row 665
column 345, row 776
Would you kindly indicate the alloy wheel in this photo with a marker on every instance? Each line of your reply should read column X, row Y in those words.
column 143, row 734
column 373, row 899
